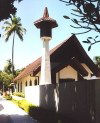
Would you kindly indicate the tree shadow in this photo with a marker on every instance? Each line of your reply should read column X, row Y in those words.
column 1, row 107
column 16, row 119
column 5, row 119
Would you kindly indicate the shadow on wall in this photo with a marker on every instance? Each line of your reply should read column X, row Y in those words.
column 77, row 101
column 47, row 97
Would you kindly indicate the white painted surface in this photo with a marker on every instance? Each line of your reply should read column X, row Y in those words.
column 32, row 94
column 23, row 80
column 88, row 70
column 45, row 63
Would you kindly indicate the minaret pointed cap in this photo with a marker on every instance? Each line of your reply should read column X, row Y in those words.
column 46, row 14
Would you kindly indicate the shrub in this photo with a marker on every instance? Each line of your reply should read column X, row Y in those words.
column 15, row 101
column 8, row 97
column 40, row 113
column 24, row 104
column 20, row 94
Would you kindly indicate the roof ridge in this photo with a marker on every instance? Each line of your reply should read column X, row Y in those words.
column 36, row 63
column 39, row 59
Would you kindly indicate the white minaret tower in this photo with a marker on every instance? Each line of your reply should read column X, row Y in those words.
column 45, row 24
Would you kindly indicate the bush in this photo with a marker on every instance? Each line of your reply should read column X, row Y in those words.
column 20, row 94
column 15, row 101
column 8, row 97
column 25, row 105
column 39, row 113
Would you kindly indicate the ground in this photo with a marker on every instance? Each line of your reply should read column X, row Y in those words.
column 10, row 113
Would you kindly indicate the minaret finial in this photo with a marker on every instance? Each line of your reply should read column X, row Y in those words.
column 45, row 24
column 46, row 14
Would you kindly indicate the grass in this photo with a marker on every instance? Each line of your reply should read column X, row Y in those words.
column 14, row 101
column 20, row 94
column 23, row 104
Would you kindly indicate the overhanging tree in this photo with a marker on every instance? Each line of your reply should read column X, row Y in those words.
column 7, row 8
column 86, row 16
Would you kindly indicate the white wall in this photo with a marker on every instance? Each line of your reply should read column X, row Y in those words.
column 32, row 94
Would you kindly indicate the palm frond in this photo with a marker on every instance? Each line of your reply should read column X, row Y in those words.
column 7, row 23
column 7, row 35
column 20, row 35
column 14, row 25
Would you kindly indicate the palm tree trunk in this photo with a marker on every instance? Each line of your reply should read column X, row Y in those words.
column 13, row 54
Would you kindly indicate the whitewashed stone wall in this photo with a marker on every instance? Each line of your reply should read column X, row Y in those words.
column 32, row 94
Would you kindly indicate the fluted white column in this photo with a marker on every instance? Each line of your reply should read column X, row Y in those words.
column 45, row 63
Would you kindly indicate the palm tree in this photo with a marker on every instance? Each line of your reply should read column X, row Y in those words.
column 13, row 27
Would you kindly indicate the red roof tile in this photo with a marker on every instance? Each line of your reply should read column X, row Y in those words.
column 31, row 68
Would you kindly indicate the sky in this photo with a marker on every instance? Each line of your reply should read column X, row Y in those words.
column 30, row 49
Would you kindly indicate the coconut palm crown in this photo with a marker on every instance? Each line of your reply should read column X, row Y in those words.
column 13, row 27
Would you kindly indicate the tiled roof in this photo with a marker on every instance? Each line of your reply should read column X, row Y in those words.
column 31, row 68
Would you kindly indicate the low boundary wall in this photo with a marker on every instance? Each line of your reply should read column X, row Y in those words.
column 79, row 100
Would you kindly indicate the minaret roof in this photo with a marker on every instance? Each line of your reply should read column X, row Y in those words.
column 46, row 14
column 45, row 18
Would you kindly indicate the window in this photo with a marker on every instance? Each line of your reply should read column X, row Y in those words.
column 26, row 83
column 18, row 87
column 35, row 81
column 30, row 83
column 21, row 87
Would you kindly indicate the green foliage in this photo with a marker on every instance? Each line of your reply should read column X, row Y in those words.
column 85, row 18
column 25, row 105
column 15, row 101
column 8, row 66
column 20, row 94
column 14, row 27
column 97, row 61
column 36, row 112
column 40, row 113
column 17, row 72
column 5, row 78
column 91, row 41
column 8, row 97
column 7, row 8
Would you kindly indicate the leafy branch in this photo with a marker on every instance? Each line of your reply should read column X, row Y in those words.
column 86, row 16
column 91, row 41
column 7, row 8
